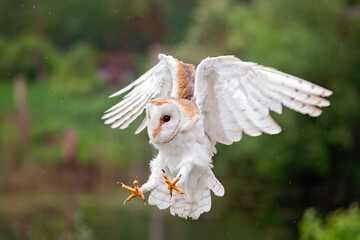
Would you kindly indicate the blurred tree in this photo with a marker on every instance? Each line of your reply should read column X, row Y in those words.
column 30, row 55
column 338, row 225
column 76, row 72
column 107, row 25
column 59, row 227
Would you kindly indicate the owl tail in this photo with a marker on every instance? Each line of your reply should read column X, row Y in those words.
column 195, row 201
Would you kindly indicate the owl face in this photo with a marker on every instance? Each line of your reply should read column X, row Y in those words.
column 163, row 121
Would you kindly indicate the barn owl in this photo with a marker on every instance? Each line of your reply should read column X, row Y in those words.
column 189, row 110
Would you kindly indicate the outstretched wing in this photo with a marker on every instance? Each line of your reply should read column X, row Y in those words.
column 159, row 81
column 235, row 96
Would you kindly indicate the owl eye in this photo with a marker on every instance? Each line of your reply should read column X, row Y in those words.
column 166, row 118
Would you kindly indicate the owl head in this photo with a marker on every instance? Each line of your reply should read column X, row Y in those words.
column 168, row 117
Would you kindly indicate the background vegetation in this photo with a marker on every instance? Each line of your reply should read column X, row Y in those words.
column 58, row 162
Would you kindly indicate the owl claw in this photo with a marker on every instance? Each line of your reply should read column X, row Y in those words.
column 135, row 191
column 171, row 185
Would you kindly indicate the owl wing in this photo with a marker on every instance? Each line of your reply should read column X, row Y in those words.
column 159, row 81
column 235, row 96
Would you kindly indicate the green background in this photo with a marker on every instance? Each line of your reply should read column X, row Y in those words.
column 59, row 60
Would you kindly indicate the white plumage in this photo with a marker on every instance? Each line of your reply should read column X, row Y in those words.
column 187, row 112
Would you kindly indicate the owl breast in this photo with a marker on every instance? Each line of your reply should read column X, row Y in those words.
column 187, row 147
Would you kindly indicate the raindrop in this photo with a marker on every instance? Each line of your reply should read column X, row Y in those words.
column 49, row 12
column 34, row 7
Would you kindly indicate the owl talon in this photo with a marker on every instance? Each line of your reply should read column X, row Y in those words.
column 135, row 191
column 171, row 185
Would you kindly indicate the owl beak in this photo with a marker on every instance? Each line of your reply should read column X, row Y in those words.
column 156, row 131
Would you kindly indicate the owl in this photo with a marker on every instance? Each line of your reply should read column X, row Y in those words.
column 189, row 110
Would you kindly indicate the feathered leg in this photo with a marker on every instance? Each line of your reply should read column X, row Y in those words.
column 155, row 178
column 197, row 185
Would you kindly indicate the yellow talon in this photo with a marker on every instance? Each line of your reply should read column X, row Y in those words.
column 171, row 185
column 135, row 191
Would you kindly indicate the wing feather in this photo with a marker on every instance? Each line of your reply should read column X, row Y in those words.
column 232, row 130
column 142, row 126
column 235, row 96
column 123, row 109
column 281, row 78
column 299, row 95
column 159, row 81
column 258, row 111
column 239, row 111
column 140, row 80
column 135, row 111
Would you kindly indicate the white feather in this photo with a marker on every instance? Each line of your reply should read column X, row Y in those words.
column 254, row 90
column 284, row 79
column 141, row 126
column 159, row 81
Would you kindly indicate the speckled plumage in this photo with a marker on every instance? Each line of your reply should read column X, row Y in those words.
column 222, row 99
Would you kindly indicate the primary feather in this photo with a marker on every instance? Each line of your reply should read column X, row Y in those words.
column 253, row 90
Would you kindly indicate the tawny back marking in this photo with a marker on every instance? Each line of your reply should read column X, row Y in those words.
column 189, row 106
column 159, row 102
column 186, row 80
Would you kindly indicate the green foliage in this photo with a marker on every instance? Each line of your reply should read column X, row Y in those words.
column 30, row 55
column 76, row 72
column 53, row 113
column 338, row 225
column 107, row 24
column 59, row 227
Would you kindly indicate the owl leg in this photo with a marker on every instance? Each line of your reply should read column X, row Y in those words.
column 135, row 191
column 171, row 185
